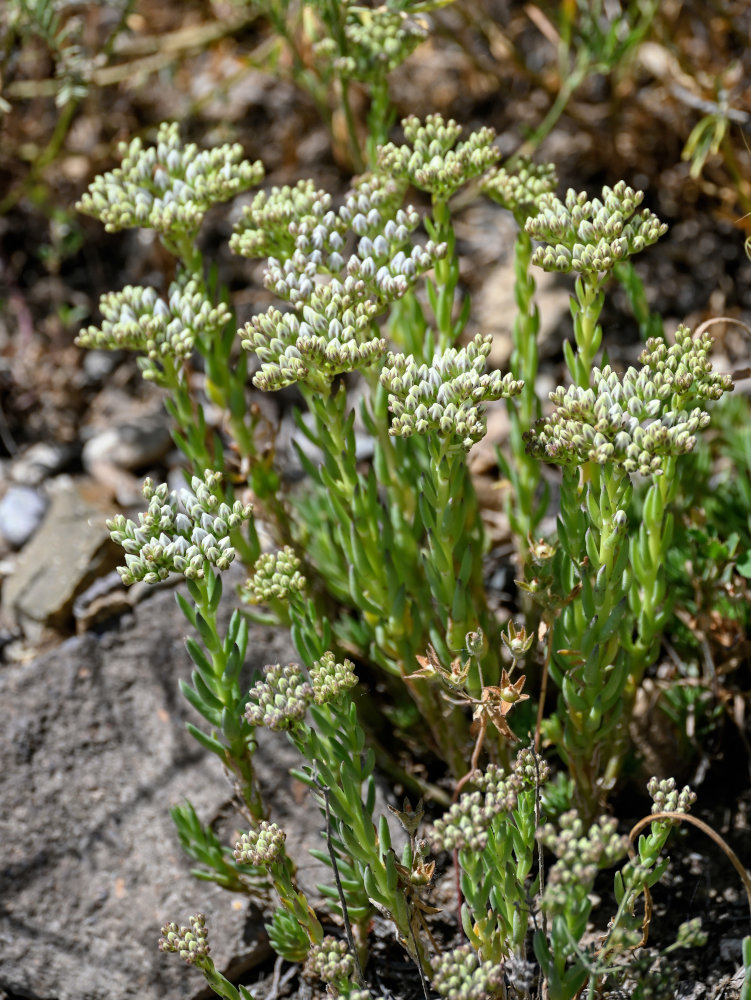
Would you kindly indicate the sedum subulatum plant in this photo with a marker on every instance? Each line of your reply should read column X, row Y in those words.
column 380, row 563
column 605, row 431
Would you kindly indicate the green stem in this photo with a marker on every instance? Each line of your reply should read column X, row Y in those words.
column 401, row 610
column 225, row 384
column 300, row 73
column 592, row 673
column 454, row 557
column 650, row 323
column 237, row 734
column 447, row 471
column 358, row 162
column 408, row 328
column 380, row 118
column 523, row 472
column 189, row 433
column 221, row 986
column 336, row 17
column 572, row 80
column 586, row 309
column 442, row 290
column 649, row 601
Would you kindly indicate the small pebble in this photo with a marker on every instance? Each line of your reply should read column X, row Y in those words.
column 21, row 512
column 39, row 462
column 731, row 948
column 99, row 364
column 132, row 445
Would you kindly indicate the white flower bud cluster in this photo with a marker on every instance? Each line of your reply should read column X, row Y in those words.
column 690, row 934
column 592, row 236
column 446, row 396
column 432, row 161
column 378, row 41
column 337, row 300
column 288, row 349
column 137, row 319
column 633, row 422
column 276, row 575
column 460, row 975
column 683, row 371
column 465, row 824
column 264, row 229
column 379, row 268
column 261, row 847
column 581, row 851
column 331, row 679
column 531, row 770
column 331, row 961
column 281, row 700
column 520, row 190
column 179, row 532
column 666, row 797
column 374, row 197
column 190, row 943
column 270, row 225
column 168, row 186
column 273, row 337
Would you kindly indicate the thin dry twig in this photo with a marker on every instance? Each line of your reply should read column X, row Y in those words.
column 705, row 828
column 162, row 49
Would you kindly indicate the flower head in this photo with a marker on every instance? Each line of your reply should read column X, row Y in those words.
column 138, row 319
column 580, row 234
column 446, row 396
column 264, row 229
column 168, row 186
column 638, row 420
column 465, row 824
column 521, row 190
column 276, row 576
column 180, row 532
column 330, row 679
column 453, row 679
column 262, row 846
column 461, row 975
column 516, row 640
column 378, row 40
column 335, row 295
column 190, row 943
column 332, row 962
column 281, row 700
column 667, row 798
column 581, row 852
column 432, row 158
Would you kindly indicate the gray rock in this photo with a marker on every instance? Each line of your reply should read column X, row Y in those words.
column 130, row 445
column 68, row 551
column 97, row 365
column 731, row 948
column 496, row 309
column 93, row 752
column 21, row 511
column 39, row 462
column 107, row 598
column 290, row 438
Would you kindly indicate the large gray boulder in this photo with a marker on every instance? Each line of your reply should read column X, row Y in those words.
column 93, row 752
